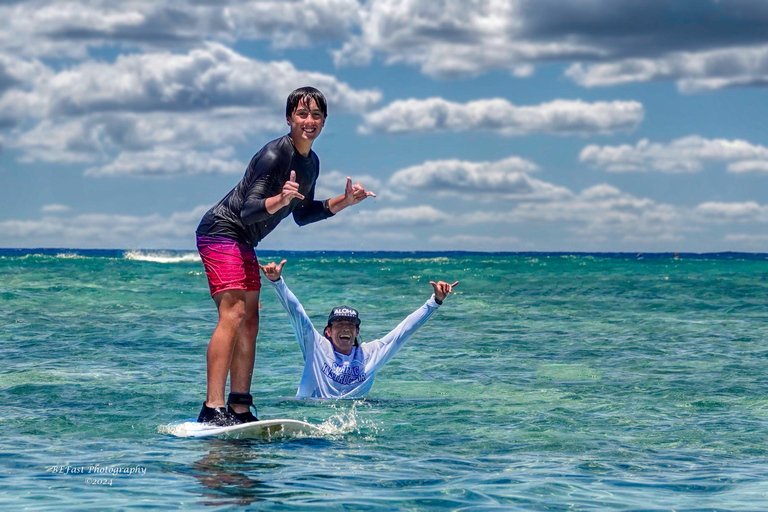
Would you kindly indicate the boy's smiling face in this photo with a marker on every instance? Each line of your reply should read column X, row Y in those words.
column 306, row 122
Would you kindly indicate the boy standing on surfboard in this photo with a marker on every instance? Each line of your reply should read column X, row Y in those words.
column 336, row 365
column 280, row 180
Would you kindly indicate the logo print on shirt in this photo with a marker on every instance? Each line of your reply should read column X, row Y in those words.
column 344, row 374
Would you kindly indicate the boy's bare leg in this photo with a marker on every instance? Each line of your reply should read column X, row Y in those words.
column 241, row 370
column 232, row 313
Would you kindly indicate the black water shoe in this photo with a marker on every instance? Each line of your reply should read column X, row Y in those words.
column 218, row 416
column 241, row 399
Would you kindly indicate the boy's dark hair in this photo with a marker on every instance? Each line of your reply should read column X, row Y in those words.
column 304, row 94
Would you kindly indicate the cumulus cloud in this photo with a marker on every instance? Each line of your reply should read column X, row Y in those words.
column 205, row 78
column 97, row 136
column 703, row 45
column 56, row 29
column 295, row 23
column 749, row 166
column 687, row 154
column 693, row 72
column 102, row 230
column 331, row 184
column 565, row 117
column 506, row 179
column 206, row 98
column 16, row 78
column 55, row 208
column 596, row 214
column 169, row 162
column 15, row 71
column 477, row 242
column 603, row 211
column 747, row 239
column 448, row 38
column 721, row 212
column 394, row 217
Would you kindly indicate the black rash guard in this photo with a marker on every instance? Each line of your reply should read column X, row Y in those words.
column 242, row 215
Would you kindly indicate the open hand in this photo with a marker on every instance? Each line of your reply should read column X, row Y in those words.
column 353, row 194
column 272, row 270
column 442, row 289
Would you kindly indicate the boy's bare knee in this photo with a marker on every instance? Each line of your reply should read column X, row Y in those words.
column 233, row 314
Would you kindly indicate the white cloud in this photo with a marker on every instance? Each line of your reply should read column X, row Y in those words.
column 720, row 212
column 596, row 214
column 477, row 242
column 16, row 78
column 448, row 38
column 506, row 178
column 353, row 53
column 103, row 230
column 687, row 154
column 603, row 211
column 423, row 215
column 55, row 208
column 702, row 45
column 15, row 71
column 97, row 136
column 749, row 166
column 201, row 100
column 169, row 162
column 358, row 228
column 331, row 184
column 69, row 28
column 203, row 79
column 295, row 23
column 559, row 117
column 747, row 239
column 693, row 72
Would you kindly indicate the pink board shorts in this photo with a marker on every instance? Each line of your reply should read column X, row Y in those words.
column 229, row 265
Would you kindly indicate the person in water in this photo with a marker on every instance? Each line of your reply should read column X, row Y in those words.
column 279, row 181
column 336, row 364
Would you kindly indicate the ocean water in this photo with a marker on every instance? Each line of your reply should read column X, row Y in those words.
column 546, row 382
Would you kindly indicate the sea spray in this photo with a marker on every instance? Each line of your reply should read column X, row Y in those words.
column 347, row 420
column 162, row 257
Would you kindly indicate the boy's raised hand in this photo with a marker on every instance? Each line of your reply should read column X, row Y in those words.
column 442, row 289
column 272, row 270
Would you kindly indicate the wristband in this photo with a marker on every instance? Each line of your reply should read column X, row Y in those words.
column 439, row 302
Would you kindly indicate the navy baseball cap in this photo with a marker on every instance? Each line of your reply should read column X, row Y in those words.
column 345, row 313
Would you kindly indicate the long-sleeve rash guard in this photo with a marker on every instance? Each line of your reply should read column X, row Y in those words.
column 242, row 214
column 330, row 374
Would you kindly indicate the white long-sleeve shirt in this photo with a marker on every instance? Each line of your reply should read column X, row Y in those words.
column 330, row 374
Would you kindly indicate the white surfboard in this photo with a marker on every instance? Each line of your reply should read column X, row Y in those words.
column 264, row 429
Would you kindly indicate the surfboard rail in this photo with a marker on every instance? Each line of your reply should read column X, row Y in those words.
column 263, row 429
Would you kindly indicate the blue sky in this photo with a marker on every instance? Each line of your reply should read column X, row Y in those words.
column 500, row 125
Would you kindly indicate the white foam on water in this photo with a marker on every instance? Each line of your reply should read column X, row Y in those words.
column 162, row 257
column 70, row 256
column 191, row 428
column 348, row 421
column 180, row 429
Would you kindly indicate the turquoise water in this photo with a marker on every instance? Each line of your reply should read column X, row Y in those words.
column 546, row 382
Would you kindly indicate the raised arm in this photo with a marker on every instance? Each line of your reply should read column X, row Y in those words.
column 259, row 202
column 383, row 349
column 352, row 195
column 302, row 326
column 310, row 210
